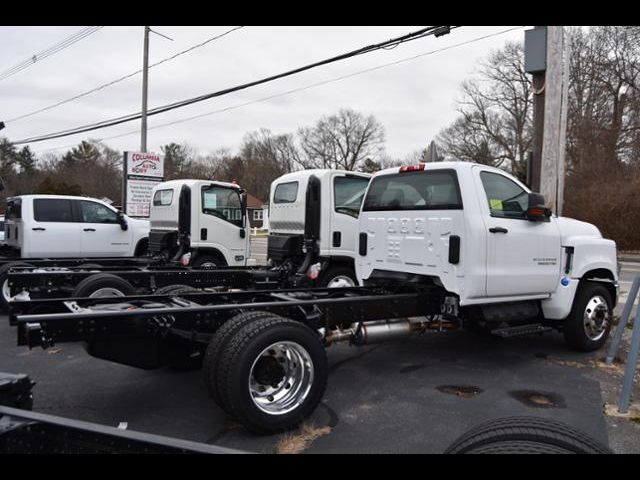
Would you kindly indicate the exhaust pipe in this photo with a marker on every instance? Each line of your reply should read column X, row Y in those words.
column 382, row 330
column 374, row 332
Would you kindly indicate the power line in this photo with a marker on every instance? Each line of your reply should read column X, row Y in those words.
column 58, row 47
column 299, row 89
column 438, row 30
column 125, row 77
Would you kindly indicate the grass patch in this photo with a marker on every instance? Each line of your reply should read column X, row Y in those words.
column 298, row 442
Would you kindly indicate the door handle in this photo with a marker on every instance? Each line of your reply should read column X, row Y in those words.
column 38, row 229
column 89, row 229
column 498, row 230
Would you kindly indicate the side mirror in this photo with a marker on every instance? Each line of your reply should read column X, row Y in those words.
column 243, row 233
column 536, row 210
column 122, row 221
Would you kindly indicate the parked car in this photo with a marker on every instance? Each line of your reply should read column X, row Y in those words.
column 39, row 226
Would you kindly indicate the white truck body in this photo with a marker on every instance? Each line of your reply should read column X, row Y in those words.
column 341, row 194
column 410, row 215
column 216, row 221
column 60, row 226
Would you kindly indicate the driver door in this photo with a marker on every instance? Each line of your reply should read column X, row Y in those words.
column 222, row 222
column 523, row 257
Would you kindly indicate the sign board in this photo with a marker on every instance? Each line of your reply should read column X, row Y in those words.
column 142, row 172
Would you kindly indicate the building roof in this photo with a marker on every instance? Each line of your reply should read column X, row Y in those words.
column 254, row 202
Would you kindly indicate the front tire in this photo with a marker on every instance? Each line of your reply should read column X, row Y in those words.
column 273, row 373
column 208, row 261
column 5, row 294
column 588, row 325
column 339, row 277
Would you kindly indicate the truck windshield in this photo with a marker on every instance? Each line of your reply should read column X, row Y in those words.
column 421, row 190
column 348, row 193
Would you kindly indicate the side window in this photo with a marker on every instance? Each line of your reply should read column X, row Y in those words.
column 223, row 203
column 286, row 193
column 52, row 210
column 93, row 212
column 506, row 198
column 162, row 198
column 348, row 193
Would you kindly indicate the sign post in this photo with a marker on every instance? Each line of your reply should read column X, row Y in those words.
column 142, row 172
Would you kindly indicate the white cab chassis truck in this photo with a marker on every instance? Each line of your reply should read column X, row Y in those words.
column 313, row 217
column 440, row 246
column 200, row 222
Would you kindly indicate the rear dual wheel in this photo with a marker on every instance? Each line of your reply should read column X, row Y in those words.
column 267, row 371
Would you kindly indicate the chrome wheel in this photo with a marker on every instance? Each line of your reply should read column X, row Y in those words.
column 341, row 281
column 596, row 318
column 280, row 378
column 106, row 292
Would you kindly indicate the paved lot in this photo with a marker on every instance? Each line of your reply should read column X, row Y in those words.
column 392, row 397
column 383, row 398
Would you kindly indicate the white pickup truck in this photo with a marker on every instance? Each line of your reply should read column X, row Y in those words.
column 481, row 235
column 60, row 226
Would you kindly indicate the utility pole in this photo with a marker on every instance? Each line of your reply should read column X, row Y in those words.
column 546, row 58
column 145, row 86
column 145, row 90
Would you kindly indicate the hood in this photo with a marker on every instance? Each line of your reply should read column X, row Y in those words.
column 571, row 228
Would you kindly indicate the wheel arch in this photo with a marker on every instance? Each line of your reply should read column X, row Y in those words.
column 604, row 276
column 212, row 251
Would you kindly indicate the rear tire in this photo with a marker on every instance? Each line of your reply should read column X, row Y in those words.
column 525, row 435
column 273, row 373
column 103, row 285
column 588, row 325
column 215, row 348
column 5, row 296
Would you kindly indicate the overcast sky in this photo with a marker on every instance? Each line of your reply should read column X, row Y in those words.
column 413, row 99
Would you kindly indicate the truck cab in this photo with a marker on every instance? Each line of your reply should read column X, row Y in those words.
column 202, row 219
column 481, row 235
column 314, row 214
column 60, row 226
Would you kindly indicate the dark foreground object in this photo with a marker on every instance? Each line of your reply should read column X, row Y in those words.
column 23, row 431
column 525, row 435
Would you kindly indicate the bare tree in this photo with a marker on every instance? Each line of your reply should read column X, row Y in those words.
column 494, row 126
column 343, row 141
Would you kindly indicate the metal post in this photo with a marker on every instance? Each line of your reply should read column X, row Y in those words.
column 630, row 371
column 624, row 319
column 145, row 90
